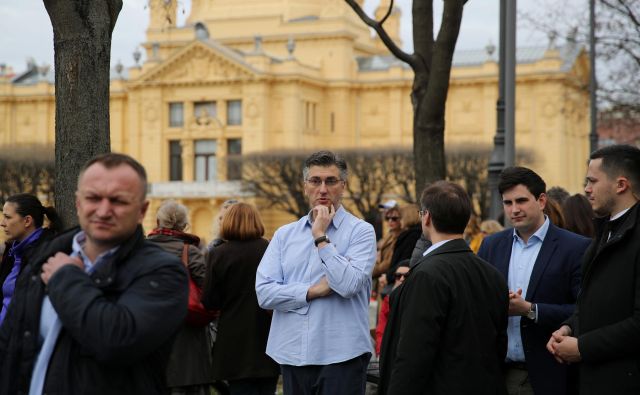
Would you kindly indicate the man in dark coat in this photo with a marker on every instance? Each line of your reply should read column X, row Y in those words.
column 96, row 309
column 446, row 332
column 603, row 334
column 541, row 264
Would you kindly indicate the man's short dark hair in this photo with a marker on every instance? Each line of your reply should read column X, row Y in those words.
column 325, row 159
column 449, row 206
column 111, row 160
column 516, row 175
column 620, row 160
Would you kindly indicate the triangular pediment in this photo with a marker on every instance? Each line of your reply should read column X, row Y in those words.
column 200, row 61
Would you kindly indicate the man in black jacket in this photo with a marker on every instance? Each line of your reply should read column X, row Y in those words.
column 95, row 311
column 446, row 332
column 603, row 334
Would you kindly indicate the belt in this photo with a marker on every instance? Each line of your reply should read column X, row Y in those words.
column 516, row 365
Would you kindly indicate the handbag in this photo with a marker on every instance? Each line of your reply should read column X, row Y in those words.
column 197, row 314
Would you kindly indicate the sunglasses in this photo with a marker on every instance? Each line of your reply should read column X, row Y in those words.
column 398, row 276
column 391, row 218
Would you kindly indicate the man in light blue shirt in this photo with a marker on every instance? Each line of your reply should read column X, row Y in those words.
column 541, row 264
column 316, row 276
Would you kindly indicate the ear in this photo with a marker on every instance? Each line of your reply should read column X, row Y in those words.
column 542, row 200
column 28, row 221
column 426, row 219
column 622, row 185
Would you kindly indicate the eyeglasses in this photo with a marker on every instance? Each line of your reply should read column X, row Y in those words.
column 398, row 276
column 317, row 181
column 391, row 218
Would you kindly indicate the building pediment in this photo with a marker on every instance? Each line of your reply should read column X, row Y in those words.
column 198, row 62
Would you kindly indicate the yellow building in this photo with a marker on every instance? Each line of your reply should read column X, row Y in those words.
column 252, row 76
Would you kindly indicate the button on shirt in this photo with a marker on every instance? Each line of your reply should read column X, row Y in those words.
column 523, row 258
column 50, row 324
column 326, row 330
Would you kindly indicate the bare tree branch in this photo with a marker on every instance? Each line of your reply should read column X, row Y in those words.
column 384, row 36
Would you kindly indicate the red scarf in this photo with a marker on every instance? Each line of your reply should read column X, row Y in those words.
column 186, row 237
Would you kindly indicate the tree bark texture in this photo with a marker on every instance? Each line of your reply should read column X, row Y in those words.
column 82, row 44
column 431, row 64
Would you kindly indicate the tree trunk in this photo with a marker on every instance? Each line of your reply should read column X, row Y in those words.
column 430, row 89
column 82, row 45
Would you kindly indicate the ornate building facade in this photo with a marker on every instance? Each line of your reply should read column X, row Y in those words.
column 259, row 75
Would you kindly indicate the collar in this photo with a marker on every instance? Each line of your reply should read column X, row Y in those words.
column 434, row 246
column 339, row 216
column 18, row 247
column 186, row 237
column 77, row 248
column 620, row 214
column 540, row 234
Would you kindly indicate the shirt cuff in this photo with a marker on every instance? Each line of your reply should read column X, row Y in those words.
column 327, row 252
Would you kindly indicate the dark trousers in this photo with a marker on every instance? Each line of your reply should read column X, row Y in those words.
column 261, row 386
column 343, row 378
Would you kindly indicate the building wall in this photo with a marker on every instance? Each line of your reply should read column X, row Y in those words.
column 310, row 98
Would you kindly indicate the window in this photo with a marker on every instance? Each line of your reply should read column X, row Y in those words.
column 309, row 115
column 234, row 163
column 176, row 115
column 206, row 168
column 175, row 160
column 204, row 109
column 234, row 112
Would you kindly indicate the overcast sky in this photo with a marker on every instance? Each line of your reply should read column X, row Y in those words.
column 25, row 31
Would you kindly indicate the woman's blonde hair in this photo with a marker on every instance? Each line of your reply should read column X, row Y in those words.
column 409, row 215
column 241, row 222
column 172, row 215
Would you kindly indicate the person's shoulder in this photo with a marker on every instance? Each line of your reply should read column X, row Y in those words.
column 569, row 238
column 494, row 238
column 154, row 255
column 351, row 220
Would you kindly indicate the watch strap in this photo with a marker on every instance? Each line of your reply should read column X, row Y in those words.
column 321, row 239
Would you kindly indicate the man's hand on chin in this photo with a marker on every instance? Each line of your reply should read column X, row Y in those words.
column 322, row 216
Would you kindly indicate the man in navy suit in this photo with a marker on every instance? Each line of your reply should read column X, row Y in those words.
column 541, row 264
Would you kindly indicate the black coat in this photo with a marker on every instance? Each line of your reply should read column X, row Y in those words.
column 447, row 329
column 405, row 244
column 117, row 323
column 554, row 285
column 243, row 327
column 607, row 317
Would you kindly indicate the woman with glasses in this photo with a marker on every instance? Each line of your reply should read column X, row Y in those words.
column 388, row 241
column 239, row 352
column 407, row 239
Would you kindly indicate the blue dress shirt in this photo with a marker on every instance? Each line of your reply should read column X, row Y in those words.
column 327, row 330
column 523, row 258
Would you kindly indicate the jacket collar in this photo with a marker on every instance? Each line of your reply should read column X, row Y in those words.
column 452, row 246
column 63, row 243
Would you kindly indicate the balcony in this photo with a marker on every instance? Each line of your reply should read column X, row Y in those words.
column 196, row 190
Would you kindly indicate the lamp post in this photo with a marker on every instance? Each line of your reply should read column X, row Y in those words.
column 510, row 84
column 593, row 83
column 496, row 163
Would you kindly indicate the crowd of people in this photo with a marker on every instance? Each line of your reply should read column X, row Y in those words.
column 547, row 306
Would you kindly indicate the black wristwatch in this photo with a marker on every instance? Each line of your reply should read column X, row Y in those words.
column 323, row 238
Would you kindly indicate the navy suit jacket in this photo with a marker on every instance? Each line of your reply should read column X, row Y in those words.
column 553, row 287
